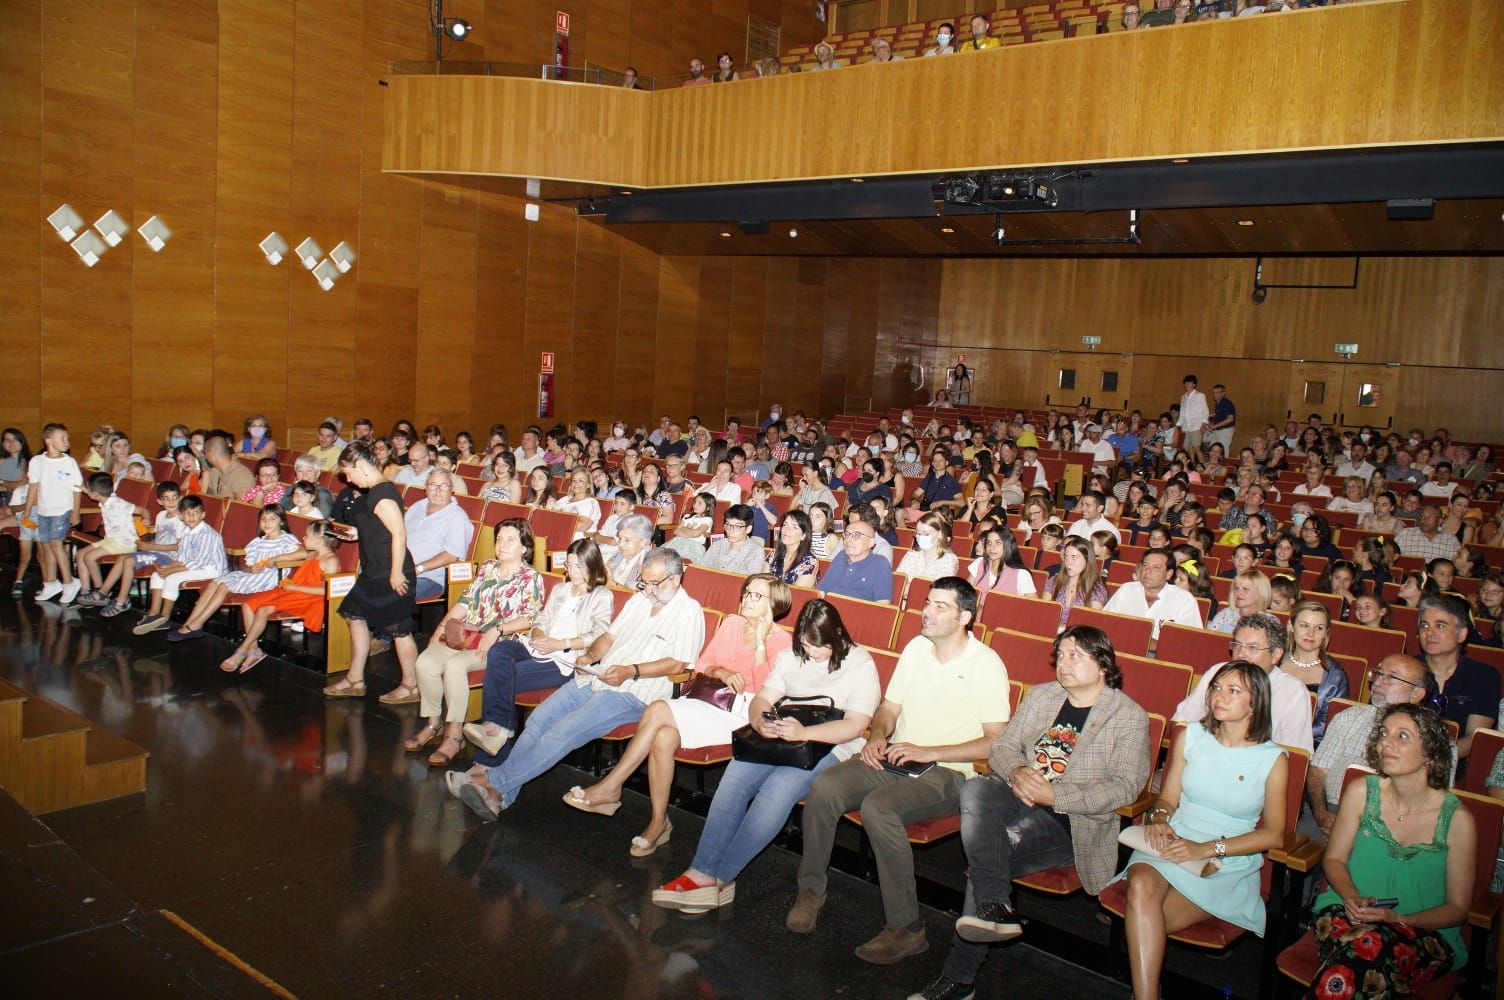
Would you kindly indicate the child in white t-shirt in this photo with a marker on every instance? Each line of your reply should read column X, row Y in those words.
column 119, row 517
column 52, row 505
column 157, row 550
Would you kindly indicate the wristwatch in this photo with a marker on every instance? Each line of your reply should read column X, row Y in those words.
column 1219, row 848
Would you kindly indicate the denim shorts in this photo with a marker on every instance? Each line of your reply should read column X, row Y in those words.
column 52, row 529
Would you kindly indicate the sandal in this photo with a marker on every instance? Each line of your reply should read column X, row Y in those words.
column 252, row 658
column 420, row 741
column 393, row 698
column 644, row 848
column 231, row 663
column 439, row 758
column 575, row 797
column 484, row 802
column 346, row 688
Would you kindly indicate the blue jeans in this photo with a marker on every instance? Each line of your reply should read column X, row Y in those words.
column 509, row 669
column 569, row 718
column 751, row 804
column 426, row 588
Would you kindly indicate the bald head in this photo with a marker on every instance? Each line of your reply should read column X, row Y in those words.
column 1399, row 679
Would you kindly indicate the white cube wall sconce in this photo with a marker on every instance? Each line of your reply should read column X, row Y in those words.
column 89, row 247
column 112, row 227
column 309, row 253
column 275, row 248
column 327, row 273
column 66, row 222
column 343, row 256
column 155, row 232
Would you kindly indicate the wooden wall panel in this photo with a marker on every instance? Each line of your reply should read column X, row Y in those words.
column 22, row 226
column 500, row 384
column 254, row 188
column 172, row 298
column 708, row 394
column 779, row 337
column 597, row 290
column 446, row 306
column 678, row 329
column 549, row 324
column 806, row 374
column 636, row 336
column 744, row 345
column 87, row 70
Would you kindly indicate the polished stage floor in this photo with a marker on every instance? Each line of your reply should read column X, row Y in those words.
column 296, row 833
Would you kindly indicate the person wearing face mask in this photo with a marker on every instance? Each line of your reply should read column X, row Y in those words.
column 931, row 556
column 775, row 416
column 871, row 483
column 618, row 441
column 943, row 39
column 258, row 438
column 176, row 438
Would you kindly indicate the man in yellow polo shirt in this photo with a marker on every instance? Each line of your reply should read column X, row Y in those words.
column 326, row 452
column 980, row 39
column 946, row 703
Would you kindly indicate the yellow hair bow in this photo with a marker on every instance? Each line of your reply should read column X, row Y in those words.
column 1284, row 576
column 1190, row 567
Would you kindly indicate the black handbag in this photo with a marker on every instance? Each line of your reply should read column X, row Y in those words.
column 747, row 744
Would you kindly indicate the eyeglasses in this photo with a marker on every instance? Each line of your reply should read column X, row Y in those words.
column 735, row 524
column 754, row 595
column 643, row 583
column 1378, row 675
column 1246, row 647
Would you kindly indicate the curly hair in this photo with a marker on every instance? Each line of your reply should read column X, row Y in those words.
column 1435, row 742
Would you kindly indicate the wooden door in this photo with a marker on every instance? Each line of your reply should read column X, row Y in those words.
column 1315, row 387
column 1345, row 394
column 1101, row 380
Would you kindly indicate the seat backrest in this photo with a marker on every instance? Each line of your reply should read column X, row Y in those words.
column 1027, row 657
column 1022, row 614
column 887, row 662
column 1198, row 648
column 242, row 522
column 1129, row 633
column 908, row 629
column 556, row 527
column 800, row 597
column 1486, row 746
column 919, row 589
column 214, row 510
column 714, row 588
column 1488, row 818
column 1368, row 644
column 1016, row 692
column 473, row 506
column 868, row 623
column 1157, row 686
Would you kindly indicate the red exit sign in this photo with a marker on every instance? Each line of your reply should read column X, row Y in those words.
column 561, row 23
column 547, row 364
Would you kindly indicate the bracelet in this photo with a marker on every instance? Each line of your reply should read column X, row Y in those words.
column 636, row 671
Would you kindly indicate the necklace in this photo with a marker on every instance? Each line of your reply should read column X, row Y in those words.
column 1301, row 663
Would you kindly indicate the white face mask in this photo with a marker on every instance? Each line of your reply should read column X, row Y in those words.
column 258, row 432
column 911, row 456
column 925, row 542
column 618, row 431
column 906, row 420
column 943, row 38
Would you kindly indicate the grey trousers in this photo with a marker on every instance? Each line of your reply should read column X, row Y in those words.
column 888, row 804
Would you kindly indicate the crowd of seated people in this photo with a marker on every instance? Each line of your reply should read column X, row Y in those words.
column 795, row 504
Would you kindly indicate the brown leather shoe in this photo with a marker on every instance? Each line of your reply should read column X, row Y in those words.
column 893, row 945
column 801, row 919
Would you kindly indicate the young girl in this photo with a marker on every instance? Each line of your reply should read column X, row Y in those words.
column 540, row 489
column 1244, row 558
column 931, row 557
column 503, row 485
column 305, row 497
column 1104, row 545
column 886, row 528
column 1285, row 554
column 300, row 594
column 1415, row 585
column 1339, row 579
column 1076, row 582
column 263, row 556
column 1000, row 567
column 1159, row 537
column 1488, row 605
column 1192, row 577
column 1307, row 661
column 185, row 472
column 1382, row 519
column 464, row 450
column 1051, row 540
column 820, row 542
column 1371, row 611
column 1371, row 557
column 694, row 528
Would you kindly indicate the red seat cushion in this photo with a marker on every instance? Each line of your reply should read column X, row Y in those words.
column 625, row 731
column 1062, row 881
column 704, row 755
column 926, row 831
column 1212, row 933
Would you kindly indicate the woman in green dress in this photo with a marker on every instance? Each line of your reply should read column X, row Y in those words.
column 1400, row 866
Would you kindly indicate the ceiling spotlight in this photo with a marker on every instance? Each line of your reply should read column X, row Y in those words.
column 793, row 234
column 275, row 248
column 858, row 180
column 946, row 229
column 112, row 227
column 1180, row 160
column 309, row 253
column 343, row 255
column 155, row 232
column 725, row 235
column 327, row 273
column 89, row 247
column 66, row 222
column 1245, row 222
column 457, row 28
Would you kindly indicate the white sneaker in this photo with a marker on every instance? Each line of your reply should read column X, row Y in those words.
column 70, row 591
column 48, row 592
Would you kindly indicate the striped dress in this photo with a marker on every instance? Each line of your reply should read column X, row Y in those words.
column 246, row 582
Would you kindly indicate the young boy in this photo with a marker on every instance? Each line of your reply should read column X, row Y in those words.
column 200, row 556
column 149, row 552
column 119, row 516
column 621, row 506
column 52, row 503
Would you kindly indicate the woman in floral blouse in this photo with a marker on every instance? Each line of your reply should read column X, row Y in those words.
column 504, row 598
column 267, row 489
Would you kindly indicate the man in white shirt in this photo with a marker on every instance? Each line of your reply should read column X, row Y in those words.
column 1092, row 504
column 1152, row 596
column 529, row 456
column 1194, row 415
column 1104, row 456
column 419, row 462
column 1260, row 639
column 659, row 633
column 438, row 533
column 1441, row 486
column 1356, row 465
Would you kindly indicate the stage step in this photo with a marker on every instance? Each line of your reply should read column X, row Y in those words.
column 51, row 758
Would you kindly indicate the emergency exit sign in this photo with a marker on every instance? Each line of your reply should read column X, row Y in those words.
column 561, row 23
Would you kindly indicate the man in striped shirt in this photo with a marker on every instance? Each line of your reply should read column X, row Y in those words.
column 200, row 556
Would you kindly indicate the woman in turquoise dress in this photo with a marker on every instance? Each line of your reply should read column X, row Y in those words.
column 1398, row 836
column 1223, row 775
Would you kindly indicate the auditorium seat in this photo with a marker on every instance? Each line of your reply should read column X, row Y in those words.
column 1195, row 647
column 1023, row 614
column 1157, row 686
column 868, row 622
column 1129, row 633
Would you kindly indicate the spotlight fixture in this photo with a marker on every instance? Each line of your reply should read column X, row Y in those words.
column 309, row 253
column 457, row 28
column 946, row 229
column 1245, row 222
column 996, row 190
column 275, row 248
column 343, row 256
column 530, row 211
column 89, row 247
column 793, row 234
column 155, row 232
column 112, row 227
column 999, row 234
column 66, row 222
column 725, row 235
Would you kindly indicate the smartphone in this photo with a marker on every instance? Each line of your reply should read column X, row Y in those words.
column 1385, row 904
column 770, row 716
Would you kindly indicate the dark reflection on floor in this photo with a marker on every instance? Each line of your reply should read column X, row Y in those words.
column 297, row 833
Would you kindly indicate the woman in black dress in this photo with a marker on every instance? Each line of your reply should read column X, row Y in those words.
column 382, row 598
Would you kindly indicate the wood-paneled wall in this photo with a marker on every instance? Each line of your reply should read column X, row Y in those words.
column 234, row 118
column 1081, row 100
column 1440, row 318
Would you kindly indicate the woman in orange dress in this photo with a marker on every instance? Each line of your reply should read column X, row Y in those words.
column 301, row 594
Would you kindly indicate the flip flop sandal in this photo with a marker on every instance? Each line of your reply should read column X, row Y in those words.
column 252, row 658
column 231, row 663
